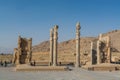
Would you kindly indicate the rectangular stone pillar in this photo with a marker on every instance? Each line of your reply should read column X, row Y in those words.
column 109, row 55
column 98, row 53
column 29, row 50
column 108, row 51
column 91, row 49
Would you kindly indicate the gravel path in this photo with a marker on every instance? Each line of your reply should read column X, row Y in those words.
column 75, row 74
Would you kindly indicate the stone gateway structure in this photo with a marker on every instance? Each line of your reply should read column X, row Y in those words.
column 103, row 50
column 23, row 54
column 98, row 55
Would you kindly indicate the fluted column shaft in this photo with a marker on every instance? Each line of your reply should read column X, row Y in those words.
column 51, row 46
column 55, row 45
column 77, row 45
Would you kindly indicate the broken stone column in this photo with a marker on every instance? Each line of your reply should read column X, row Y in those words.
column 16, row 57
column 29, row 52
column 98, row 53
column 55, row 45
column 99, row 49
column 108, row 50
column 109, row 55
column 100, row 36
column 51, row 47
column 77, row 45
column 91, row 53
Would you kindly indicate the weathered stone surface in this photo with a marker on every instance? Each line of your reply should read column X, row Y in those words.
column 23, row 53
column 77, row 45
column 103, row 49
column 55, row 45
column 40, row 68
column 51, row 46
column 103, row 67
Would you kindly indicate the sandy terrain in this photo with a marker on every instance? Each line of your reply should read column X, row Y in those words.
column 75, row 74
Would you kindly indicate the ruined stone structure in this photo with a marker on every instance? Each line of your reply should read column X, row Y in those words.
column 103, row 50
column 98, row 53
column 23, row 54
column 77, row 45
column 93, row 54
column 100, row 50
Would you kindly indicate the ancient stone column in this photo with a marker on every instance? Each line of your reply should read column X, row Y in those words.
column 100, row 36
column 18, row 53
column 51, row 47
column 30, row 44
column 16, row 57
column 108, row 50
column 98, row 53
column 91, row 53
column 29, row 50
column 77, row 45
column 55, row 45
column 109, row 55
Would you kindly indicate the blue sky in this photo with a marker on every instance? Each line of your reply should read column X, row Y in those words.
column 34, row 18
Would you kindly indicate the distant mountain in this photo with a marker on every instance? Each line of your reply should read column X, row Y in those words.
column 69, row 46
column 115, row 39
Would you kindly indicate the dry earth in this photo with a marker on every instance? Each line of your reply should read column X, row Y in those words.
column 75, row 74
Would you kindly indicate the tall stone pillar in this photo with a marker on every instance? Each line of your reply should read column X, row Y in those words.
column 30, row 44
column 109, row 55
column 29, row 50
column 98, row 53
column 77, row 45
column 55, row 45
column 51, row 47
column 91, row 53
column 18, row 50
column 108, row 50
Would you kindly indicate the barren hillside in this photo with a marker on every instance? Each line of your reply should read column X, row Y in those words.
column 69, row 46
column 115, row 39
column 66, row 46
column 66, row 49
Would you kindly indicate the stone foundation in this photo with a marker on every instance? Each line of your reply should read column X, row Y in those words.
column 25, row 67
column 103, row 67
